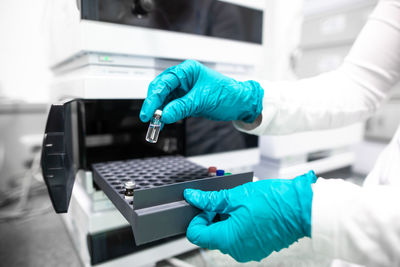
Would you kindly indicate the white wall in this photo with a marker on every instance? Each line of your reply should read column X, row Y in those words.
column 23, row 60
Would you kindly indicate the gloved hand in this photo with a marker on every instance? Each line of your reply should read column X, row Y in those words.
column 264, row 216
column 191, row 89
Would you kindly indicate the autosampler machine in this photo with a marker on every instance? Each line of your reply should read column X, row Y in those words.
column 103, row 55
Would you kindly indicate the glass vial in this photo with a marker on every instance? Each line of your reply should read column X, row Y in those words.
column 129, row 190
column 154, row 127
column 212, row 171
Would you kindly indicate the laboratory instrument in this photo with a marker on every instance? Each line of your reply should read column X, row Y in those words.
column 103, row 55
column 158, row 181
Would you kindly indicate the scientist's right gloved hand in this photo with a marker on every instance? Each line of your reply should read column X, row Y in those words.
column 191, row 89
column 263, row 217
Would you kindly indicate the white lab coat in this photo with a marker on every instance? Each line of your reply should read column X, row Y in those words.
column 349, row 222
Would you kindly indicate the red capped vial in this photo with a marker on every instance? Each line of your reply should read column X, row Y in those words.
column 212, row 171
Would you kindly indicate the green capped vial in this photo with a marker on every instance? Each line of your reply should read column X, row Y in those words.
column 154, row 127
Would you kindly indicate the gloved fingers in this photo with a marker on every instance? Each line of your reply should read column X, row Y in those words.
column 213, row 201
column 159, row 90
column 206, row 234
column 178, row 109
column 187, row 73
column 182, row 75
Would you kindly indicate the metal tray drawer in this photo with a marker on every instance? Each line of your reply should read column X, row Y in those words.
column 159, row 209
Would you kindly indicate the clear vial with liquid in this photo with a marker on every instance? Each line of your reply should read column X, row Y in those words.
column 154, row 127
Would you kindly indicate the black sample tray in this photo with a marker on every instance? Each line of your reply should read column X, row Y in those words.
column 158, row 209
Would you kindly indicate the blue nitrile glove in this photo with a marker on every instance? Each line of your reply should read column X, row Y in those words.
column 263, row 217
column 191, row 89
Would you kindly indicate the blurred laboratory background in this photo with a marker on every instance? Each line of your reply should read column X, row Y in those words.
column 92, row 60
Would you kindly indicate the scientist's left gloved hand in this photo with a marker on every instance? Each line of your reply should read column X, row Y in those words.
column 263, row 217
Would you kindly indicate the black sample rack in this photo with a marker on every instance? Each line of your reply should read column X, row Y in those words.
column 158, row 209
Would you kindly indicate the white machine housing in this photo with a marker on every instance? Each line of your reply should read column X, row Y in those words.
column 130, row 46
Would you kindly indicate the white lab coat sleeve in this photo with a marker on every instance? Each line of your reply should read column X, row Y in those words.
column 356, row 224
column 343, row 96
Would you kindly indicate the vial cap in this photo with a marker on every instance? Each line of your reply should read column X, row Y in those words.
column 212, row 169
column 220, row 172
column 130, row 185
column 157, row 113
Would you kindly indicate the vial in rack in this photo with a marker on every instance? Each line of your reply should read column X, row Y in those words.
column 129, row 188
column 154, row 127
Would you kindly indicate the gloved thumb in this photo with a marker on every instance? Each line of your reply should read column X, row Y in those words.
column 177, row 109
column 212, row 201
column 206, row 234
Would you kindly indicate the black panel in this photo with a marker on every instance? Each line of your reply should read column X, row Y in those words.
column 201, row 17
column 205, row 136
column 60, row 153
column 113, row 131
